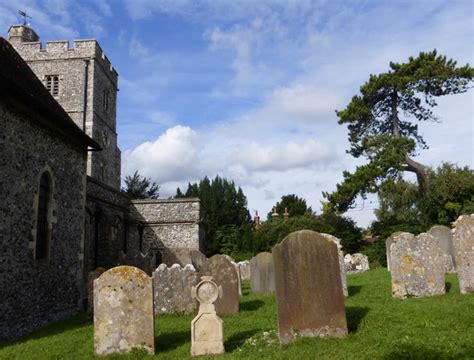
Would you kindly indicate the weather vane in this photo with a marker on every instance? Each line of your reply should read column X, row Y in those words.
column 25, row 16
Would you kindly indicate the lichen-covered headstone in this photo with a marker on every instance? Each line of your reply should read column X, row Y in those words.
column 341, row 261
column 123, row 311
column 225, row 275
column 308, row 287
column 90, row 290
column 388, row 243
column 172, row 288
column 417, row 266
column 356, row 263
column 262, row 278
column 207, row 329
column 463, row 242
column 244, row 267
column 444, row 236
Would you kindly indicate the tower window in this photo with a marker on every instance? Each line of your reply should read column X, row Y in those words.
column 52, row 84
column 105, row 99
column 42, row 231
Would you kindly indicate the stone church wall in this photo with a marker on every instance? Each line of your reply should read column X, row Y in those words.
column 33, row 294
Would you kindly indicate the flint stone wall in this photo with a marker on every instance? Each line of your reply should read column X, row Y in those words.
column 172, row 289
column 444, row 236
column 123, row 311
column 308, row 287
column 33, row 296
column 417, row 266
column 463, row 243
column 341, row 261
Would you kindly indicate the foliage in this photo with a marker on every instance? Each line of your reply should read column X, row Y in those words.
column 296, row 206
column 227, row 222
column 380, row 327
column 377, row 132
column 140, row 187
column 272, row 232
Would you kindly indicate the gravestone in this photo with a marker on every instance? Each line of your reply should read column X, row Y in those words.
column 123, row 311
column 262, row 278
column 388, row 243
column 308, row 287
column 444, row 236
column 172, row 289
column 356, row 263
column 228, row 257
column 207, row 329
column 417, row 266
column 198, row 259
column 225, row 275
column 463, row 243
column 244, row 267
column 341, row 261
column 239, row 277
column 90, row 290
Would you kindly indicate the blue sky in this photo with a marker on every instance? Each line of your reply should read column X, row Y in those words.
column 248, row 89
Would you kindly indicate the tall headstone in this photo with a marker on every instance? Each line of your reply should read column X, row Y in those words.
column 123, row 311
column 244, row 267
column 207, row 329
column 224, row 275
column 463, row 241
column 262, row 278
column 444, row 236
column 172, row 289
column 417, row 266
column 341, row 261
column 308, row 287
column 388, row 243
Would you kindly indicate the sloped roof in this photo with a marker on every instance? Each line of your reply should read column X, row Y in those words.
column 19, row 84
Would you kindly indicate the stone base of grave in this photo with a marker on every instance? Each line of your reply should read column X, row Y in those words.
column 207, row 335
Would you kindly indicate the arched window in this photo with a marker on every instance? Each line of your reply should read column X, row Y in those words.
column 44, row 204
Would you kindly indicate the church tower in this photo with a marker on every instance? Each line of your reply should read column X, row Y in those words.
column 83, row 81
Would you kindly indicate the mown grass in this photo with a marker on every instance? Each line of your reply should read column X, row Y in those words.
column 380, row 327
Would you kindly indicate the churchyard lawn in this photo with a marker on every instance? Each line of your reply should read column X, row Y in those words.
column 380, row 327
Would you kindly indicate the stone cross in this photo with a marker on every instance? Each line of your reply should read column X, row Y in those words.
column 207, row 329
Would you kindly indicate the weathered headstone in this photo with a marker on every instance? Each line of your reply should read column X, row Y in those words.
column 225, row 275
column 341, row 261
column 172, row 288
column 388, row 243
column 239, row 277
column 198, row 259
column 90, row 290
column 356, row 263
column 417, row 266
column 444, row 236
column 463, row 241
column 262, row 278
column 207, row 329
column 308, row 287
column 244, row 267
column 228, row 257
column 123, row 311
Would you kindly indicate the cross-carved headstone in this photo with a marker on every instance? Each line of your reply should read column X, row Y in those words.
column 207, row 330
column 123, row 311
column 262, row 278
column 308, row 287
column 463, row 241
column 225, row 275
column 417, row 266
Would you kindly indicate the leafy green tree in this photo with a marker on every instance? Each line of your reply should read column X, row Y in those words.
column 296, row 206
column 377, row 130
column 140, row 187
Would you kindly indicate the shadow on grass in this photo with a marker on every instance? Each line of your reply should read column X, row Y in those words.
column 354, row 289
column 251, row 305
column 53, row 329
column 238, row 339
column 448, row 286
column 354, row 315
column 172, row 340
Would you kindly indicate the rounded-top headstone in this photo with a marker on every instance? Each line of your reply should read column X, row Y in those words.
column 262, row 275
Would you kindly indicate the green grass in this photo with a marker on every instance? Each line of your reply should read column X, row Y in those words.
column 380, row 327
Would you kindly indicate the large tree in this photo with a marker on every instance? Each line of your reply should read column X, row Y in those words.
column 140, row 187
column 296, row 206
column 380, row 122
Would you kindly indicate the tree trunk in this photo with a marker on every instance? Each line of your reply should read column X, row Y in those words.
column 412, row 165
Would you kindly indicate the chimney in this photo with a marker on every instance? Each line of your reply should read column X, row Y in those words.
column 286, row 215
column 21, row 33
column 256, row 221
column 275, row 214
